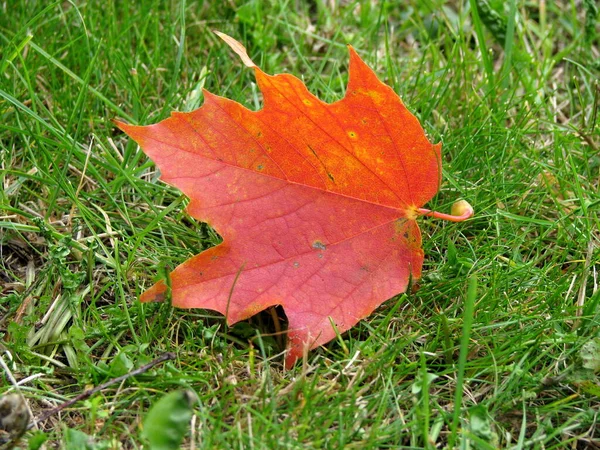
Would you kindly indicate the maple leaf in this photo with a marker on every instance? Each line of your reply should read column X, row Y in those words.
column 316, row 202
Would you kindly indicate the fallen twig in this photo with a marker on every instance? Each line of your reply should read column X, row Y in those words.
column 88, row 393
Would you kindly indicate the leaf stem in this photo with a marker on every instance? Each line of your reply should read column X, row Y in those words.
column 439, row 215
column 461, row 210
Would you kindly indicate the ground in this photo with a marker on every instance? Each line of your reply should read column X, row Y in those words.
column 497, row 346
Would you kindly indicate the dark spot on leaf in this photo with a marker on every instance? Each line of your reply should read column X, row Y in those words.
column 405, row 235
column 318, row 245
column 330, row 177
column 260, row 167
column 259, row 134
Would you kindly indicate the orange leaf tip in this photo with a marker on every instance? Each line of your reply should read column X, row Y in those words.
column 461, row 210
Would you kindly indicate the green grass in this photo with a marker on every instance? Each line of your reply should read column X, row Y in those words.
column 85, row 226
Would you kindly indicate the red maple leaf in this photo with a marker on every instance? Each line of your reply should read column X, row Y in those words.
column 316, row 202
